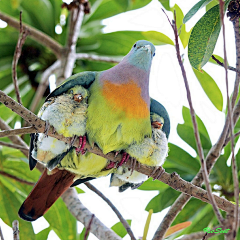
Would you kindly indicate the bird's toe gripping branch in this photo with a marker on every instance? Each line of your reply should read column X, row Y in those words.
column 125, row 157
column 82, row 143
column 159, row 169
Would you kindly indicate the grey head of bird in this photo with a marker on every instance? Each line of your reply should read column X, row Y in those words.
column 141, row 55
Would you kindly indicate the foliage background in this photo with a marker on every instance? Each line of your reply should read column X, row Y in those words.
column 166, row 86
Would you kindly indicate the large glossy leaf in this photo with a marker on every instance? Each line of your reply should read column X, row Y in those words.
column 162, row 200
column 9, row 205
column 120, row 43
column 62, row 221
column 201, row 46
column 43, row 235
column 98, row 10
column 181, row 160
column 119, row 229
column 195, row 9
column 186, row 132
column 210, row 88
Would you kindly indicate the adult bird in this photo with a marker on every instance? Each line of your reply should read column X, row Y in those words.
column 152, row 151
column 116, row 104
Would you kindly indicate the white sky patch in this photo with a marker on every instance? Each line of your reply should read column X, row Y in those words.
column 3, row 24
column 58, row 29
column 52, row 82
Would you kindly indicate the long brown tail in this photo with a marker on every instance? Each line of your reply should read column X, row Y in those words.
column 46, row 191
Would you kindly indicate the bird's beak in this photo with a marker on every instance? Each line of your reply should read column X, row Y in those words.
column 147, row 47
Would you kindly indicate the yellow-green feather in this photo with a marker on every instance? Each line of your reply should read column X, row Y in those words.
column 112, row 130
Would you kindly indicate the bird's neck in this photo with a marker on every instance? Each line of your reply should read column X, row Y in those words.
column 125, row 74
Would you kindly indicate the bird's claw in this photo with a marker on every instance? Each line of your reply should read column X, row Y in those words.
column 133, row 165
column 73, row 139
column 82, row 143
column 111, row 165
column 159, row 173
column 125, row 157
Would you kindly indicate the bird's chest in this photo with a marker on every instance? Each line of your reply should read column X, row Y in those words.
column 126, row 97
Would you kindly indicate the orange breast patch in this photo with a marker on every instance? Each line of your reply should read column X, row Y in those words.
column 126, row 97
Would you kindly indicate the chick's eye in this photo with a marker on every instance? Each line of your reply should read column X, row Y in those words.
column 153, row 54
column 134, row 45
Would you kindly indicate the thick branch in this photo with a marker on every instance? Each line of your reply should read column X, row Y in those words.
column 82, row 214
column 123, row 221
column 19, row 131
column 37, row 35
column 173, row 180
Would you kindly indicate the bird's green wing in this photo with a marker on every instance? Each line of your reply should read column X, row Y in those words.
column 160, row 110
column 84, row 79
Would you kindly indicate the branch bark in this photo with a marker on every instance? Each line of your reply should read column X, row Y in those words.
column 82, row 214
column 173, row 180
column 123, row 221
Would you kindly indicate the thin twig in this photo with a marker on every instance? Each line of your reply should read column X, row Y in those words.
column 229, row 138
column 93, row 57
column 16, row 178
column 234, row 166
column 82, row 214
column 13, row 146
column 44, row 84
column 1, row 234
column 68, row 58
column 21, row 39
column 15, row 227
column 19, row 131
column 194, row 121
column 88, row 228
column 122, row 220
column 222, row 64
column 37, row 35
column 173, row 180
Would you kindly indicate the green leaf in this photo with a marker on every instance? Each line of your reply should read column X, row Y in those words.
column 59, row 218
column 195, row 9
column 203, row 38
column 212, row 4
column 181, row 160
column 165, row 4
column 119, row 229
column 41, row 14
column 43, row 235
column 9, row 205
column 153, row 185
column 183, row 34
column 79, row 190
column 162, row 200
column 210, row 88
column 119, row 43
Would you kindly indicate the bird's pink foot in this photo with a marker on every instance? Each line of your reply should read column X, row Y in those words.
column 111, row 165
column 82, row 143
column 125, row 157
column 133, row 165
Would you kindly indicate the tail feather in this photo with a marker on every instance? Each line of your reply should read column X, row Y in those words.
column 46, row 191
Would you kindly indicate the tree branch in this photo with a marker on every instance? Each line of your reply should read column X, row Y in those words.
column 13, row 146
column 221, row 64
column 15, row 227
column 44, row 84
column 82, row 214
column 93, row 57
column 229, row 103
column 19, row 131
column 16, row 178
column 1, row 234
column 37, row 35
column 123, row 221
column 18, row 50
column 173, row 180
